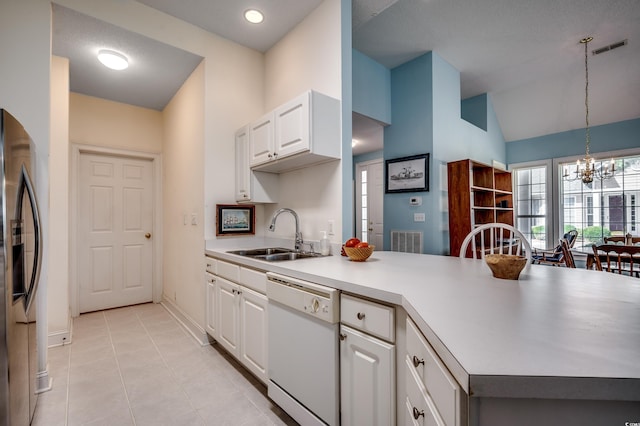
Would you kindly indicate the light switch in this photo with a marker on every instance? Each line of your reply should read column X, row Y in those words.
column 194, row 219
column 418, row 217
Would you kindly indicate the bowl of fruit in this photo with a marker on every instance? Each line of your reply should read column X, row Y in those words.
column 356, row 250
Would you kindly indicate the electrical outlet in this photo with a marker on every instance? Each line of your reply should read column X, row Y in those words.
column 330, row 227
column 418, row 217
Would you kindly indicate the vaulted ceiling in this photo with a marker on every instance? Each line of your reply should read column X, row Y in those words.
column 525, row 54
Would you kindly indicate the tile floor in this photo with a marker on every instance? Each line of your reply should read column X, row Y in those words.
column 137, row 366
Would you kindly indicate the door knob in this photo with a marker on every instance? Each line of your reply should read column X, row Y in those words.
column 147, row 235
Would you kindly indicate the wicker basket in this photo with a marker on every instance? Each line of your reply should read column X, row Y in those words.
column 506, row 266
column 359, row 254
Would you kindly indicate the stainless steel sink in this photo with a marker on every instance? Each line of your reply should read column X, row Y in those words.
column 274, row 254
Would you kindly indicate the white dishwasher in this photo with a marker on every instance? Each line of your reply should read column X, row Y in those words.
column 304, row 375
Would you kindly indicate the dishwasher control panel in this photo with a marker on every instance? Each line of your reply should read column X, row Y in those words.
column 307, row 297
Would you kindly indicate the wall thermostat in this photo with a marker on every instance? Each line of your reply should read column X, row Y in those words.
column 415, row 201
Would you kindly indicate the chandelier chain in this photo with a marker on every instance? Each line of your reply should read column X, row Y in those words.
column 586, row 94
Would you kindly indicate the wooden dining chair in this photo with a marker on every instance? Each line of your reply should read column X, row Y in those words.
column 617, row 259
column 567, row 255
column 623, row 240
column 498, row 238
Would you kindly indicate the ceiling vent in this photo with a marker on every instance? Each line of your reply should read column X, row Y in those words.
column 610, row 47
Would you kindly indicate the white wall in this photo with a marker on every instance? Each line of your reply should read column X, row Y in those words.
column 25, row 49
column 183, row 186
column 99, row 122
column 233, row 96
column 59, row 319
column 309, row 57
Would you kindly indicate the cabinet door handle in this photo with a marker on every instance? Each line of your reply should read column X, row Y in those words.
column 275, row 154
column 343, row 336
column 417, row 413
column 269, row 155
column 417, row 361
column 360, row 316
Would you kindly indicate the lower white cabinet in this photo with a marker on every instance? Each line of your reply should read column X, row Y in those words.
column 367, row 363
column 433, row 397
column 211, row 309
column 253, row 332
column 367, row 379
column 241, row 324
column 229, row 315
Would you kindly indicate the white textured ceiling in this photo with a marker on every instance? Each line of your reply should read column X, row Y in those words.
column 524, row 53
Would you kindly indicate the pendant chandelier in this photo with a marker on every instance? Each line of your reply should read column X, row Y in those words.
column 586, row 169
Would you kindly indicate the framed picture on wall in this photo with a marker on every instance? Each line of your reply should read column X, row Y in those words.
column 234, row 219
column 407, row 174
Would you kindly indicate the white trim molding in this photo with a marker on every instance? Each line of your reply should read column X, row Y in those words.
column 186, row 321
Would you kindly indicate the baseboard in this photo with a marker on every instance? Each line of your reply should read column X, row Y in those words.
column 59, row 338
column 186, row 321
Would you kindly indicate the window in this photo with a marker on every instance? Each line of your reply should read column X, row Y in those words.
column 365, row 216
column 531, row 204
column 603, row 208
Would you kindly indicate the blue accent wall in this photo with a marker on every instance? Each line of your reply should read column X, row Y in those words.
column 474, row 110
column 371, row 88
column 607, row 137
column 410, row 134
column 427, row 118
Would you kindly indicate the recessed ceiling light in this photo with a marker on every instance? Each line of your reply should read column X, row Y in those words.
column 354, row 142
column 254, row 16
column 113, row 60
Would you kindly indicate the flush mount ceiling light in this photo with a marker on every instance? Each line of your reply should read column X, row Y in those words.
column 254, row 16
column 113, row 60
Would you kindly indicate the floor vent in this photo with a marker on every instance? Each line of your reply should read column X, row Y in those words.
column 406, row 241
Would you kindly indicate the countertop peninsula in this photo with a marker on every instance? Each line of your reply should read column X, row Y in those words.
column 555, row 333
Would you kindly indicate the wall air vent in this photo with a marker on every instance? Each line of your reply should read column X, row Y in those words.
column 610, row 47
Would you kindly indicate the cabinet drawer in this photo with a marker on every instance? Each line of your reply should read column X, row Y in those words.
column 228, row 270
column 370, row 317
column 210, row 264
column 439, row 383
column 255, row 280
column 419, row 408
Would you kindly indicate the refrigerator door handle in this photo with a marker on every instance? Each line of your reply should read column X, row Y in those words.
column 25, row 185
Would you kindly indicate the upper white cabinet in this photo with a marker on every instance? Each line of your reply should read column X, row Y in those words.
column 299, row 133
column 252, row 186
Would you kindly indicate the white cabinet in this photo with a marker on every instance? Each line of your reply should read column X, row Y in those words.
column 236, row 314
column 253, row 332
column 433, row 397
column 261, row 140
column 252, row 186
column 367, row 367
column 229, row 316
column 211, row 305
column 367, row 363
column 299, row 133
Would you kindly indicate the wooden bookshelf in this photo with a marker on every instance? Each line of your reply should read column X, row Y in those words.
column 478, row 194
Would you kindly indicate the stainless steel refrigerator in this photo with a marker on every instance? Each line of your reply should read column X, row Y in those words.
column 20, row 257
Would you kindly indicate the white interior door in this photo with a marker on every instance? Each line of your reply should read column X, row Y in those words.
column 115, row 221
column 369, row 202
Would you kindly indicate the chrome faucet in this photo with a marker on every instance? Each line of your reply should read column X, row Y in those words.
column 272, row 227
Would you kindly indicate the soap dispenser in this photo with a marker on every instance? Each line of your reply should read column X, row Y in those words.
column 325, row 244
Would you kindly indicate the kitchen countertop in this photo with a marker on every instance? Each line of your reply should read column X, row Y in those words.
column 556, row 333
